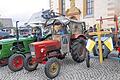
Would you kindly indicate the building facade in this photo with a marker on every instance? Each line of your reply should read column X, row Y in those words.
column 7, row 22
column 91, row 10
column 7, row 25
column 58, row 6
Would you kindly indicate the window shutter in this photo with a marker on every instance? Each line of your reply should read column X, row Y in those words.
column 84, row 8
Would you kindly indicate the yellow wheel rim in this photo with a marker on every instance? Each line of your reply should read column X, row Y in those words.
column 54, row 68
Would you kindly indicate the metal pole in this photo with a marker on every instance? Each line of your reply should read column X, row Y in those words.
column 17, row 33
column 105, row 19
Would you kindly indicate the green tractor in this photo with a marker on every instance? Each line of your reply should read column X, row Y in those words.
column 20, row 50
column 14, row 50
column 11, row 55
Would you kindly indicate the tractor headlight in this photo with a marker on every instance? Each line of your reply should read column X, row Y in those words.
column 42, row 50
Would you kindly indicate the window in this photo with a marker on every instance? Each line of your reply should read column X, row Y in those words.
column 89, row 7
column 63, row 7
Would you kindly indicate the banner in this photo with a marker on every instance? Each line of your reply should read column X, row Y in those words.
column 90, row 45
column 109, row 43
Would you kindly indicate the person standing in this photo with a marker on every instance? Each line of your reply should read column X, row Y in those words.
column 91, row 29
column 94, row 28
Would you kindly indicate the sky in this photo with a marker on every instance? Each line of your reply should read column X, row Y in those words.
column 21, row 10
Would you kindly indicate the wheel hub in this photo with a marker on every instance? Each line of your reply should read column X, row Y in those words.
column 54, row 68
column 18, row 61
column 32, row 61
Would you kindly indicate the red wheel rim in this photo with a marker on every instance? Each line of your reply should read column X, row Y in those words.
column 18, row 62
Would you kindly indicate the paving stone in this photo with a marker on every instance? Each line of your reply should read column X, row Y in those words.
column 70, row 70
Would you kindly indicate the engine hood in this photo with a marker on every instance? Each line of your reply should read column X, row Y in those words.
column 47, row 43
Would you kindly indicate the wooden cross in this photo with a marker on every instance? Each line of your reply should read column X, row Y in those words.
column 115, row 19
column 99, row 33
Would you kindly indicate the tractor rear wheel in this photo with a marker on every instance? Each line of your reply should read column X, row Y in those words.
column 78, row 50
column 30, row 64
column 15, row 62
column 52, row 68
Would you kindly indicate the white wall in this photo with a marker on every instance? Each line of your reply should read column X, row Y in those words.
column 55, row 5
column 67, row 4
column 117, row 6
column 100, row 9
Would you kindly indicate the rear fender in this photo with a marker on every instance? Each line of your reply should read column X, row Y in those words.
column 79, row 36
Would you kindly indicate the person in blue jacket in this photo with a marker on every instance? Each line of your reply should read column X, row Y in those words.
column 62, row 31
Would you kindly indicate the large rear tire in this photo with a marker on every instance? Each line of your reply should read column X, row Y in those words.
column 15, row 62
column 78, row 50
column 30, row 64
column 52, row 68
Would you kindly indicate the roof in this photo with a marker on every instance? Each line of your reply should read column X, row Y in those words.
column 39, row 18
column 36, row 18
column 7, row 22
column 61, row 19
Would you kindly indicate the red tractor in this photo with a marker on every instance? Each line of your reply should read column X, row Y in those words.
column 67, row 37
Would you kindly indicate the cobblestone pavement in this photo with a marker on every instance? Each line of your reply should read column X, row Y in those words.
column 70, row 70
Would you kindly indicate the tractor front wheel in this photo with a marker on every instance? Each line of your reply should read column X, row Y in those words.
column 30, row 64
column 15, row 62
column 78, row 50
column 52, row 68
